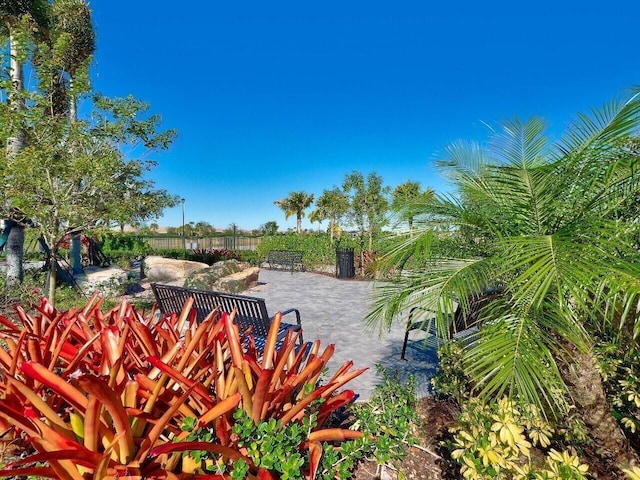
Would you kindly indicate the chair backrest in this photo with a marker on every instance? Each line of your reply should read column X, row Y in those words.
column 471, row 317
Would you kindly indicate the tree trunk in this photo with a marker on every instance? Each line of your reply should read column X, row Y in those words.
column 15, row 242
column 299, row 223
column 75, row 253
column 585, row 386
column 15, row 255
column 53, row 278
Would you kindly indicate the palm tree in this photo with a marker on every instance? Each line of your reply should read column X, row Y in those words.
column 72, row 42
column 14, row 15
column 565, row 260
column 408, row 199
column 295, row 204
column 331, row 205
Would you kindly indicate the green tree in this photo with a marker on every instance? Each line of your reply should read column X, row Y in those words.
column 70, row 178
column 295, row 204
column 408, row 200
column 269, row 228
column 566, row 263
column 332, row 205
column 368, row 204
column 203, row 229
column 72, row 174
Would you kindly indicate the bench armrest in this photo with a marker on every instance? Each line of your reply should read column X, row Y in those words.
column 297, row 312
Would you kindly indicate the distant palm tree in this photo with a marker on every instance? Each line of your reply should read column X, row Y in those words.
column 558, row 247
column 331, row 205
column 408, row 200
column 295, row 204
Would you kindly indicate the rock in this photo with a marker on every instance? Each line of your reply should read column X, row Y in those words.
column 240, row 281
column 211, row 278
column 160, row 269
column 108, row 281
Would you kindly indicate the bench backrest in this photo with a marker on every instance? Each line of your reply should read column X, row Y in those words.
column 284, row 256
column 251, row 311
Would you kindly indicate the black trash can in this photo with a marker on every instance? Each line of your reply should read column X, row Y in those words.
column 344, row 263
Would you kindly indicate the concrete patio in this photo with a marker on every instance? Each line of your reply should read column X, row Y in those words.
column 333, row 311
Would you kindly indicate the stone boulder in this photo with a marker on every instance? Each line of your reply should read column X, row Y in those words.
column 166, row 270
column 238, row 282
column 108, row 281
column 229, row 276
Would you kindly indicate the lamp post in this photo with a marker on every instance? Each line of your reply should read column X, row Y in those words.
column 184, row 240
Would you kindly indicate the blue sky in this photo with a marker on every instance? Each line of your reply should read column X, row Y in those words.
column 274, row 97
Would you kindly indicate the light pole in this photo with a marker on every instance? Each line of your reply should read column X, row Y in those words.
column 184, row 240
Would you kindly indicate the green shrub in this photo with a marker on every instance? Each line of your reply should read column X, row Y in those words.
column 249, row 256
column 495, row 442
column 451, row 379
column 118, row 242
column 175, row 253
column 389, row 418
column 386, row 421
column 212, row 255
column 316, row 247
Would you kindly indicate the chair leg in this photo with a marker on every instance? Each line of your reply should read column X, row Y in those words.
column 404, row 344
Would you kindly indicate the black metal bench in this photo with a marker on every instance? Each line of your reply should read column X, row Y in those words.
column 251, row 312
column 425, row 319
column 289, row 259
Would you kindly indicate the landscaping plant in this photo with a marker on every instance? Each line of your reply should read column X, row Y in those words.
column 496, row 442
column 122, row 393
column 551, row 227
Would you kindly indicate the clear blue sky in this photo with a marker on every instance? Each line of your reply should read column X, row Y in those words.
column 272, row 97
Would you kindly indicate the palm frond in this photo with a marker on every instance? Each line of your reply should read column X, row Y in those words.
column 520, row 145
column 511, row 357
column 436, row 288
column 599, row 131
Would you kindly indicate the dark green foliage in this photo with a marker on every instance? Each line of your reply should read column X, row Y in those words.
column 389, row 416
column 271, row 446
column 212, row 255
column 114, row 242
column 618, row 366
column 316, row 247
column 386, row 419
column 249, row 256
column 451, row 379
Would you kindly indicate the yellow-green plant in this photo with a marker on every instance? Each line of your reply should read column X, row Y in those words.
column 633, row 473
column 495, row 442
column 618, row 367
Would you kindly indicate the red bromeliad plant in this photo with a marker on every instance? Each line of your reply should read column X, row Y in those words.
column 106, row 394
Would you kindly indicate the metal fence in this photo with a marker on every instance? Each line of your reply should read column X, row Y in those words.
column 229, row 242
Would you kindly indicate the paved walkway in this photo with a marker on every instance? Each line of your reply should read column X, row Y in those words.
column 333, row 311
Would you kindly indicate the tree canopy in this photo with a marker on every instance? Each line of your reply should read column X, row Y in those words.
column 70, row 173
